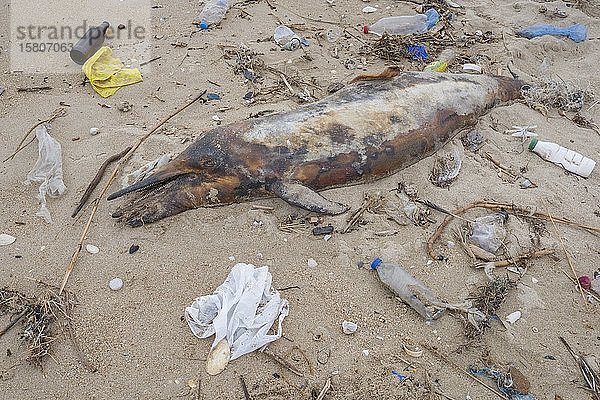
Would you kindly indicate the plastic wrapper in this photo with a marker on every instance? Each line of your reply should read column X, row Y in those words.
column 576, row 32
column 47, row 171
column 488, row 232
column 241, row 310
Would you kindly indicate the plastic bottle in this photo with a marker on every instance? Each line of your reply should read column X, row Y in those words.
column 568, row 159
column 288, row 39
column 404, row 25
column 442, row 62
column 576, row 32
column 408, row 288
column 89, row 43
column 213, row 12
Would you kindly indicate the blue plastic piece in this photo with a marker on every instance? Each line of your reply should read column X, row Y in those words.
column 577, row 32
column 213, row 96
column 203, row 25
column 399, row 375
column 432, row 17
column 417, row 52
column 376, row 263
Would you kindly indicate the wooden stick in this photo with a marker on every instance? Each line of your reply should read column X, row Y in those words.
column 96, row 201
column 245, row 388
column 325, row 389
column 568, row 258
column 282, row 362
column 96, row 180
column 59, row 112
column 14, row 322
column 511, row 261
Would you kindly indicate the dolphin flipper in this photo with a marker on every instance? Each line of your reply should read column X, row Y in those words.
column 302, row 196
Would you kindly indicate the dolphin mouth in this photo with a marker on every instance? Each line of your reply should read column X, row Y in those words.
column 154, row 180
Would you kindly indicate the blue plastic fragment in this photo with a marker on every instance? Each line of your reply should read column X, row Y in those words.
column 399, row 375
column 376, row 263
column 213, row 96
column 432, row 17
column 576, row 32
column 203, row 25
column 417, row 52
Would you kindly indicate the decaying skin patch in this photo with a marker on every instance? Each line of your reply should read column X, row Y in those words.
column 362, row 132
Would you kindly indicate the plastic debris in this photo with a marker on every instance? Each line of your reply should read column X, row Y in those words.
column 47, row 171
column 312, row 263
column 115, row 284
column 399, row 375
column 576, row 32
column 442, row 62
column 90, row 248
column 488, row 232
column 595, row 285
column 108, row 74
column 94, row 131
column 213, row 12
column 522, row 131
column 566, row 158
column 472, row 68
column 89, row 43
column 418, row 296
column 6, row 239
column 369, row 9
column 213, row 96
column 417, row 52
column 404, row 24
column 287, row 38
column 241, row 311
column 322, row 230
column 527, row 184
column 145, row 170
column 513, row 317
column 412, row 349
column 503, row 381
column 585, row 281
column 446, row 169
column 349, row 327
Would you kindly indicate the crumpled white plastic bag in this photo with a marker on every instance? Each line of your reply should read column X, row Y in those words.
column 242, row 310
column 47, row 170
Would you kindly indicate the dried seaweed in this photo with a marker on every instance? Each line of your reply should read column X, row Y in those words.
column 487, row 299
column 556, row 94
column 39, row 315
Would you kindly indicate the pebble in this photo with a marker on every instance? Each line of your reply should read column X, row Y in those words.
column 513, row 317
column 213, row 96
column 6, row 239
column 115, row 284
column 91, row 249
column 94, row 131
column 327, row 237
column 349, row 327
column 369, row 10
column 133, row 248
column 125, row 106
column 312, row 263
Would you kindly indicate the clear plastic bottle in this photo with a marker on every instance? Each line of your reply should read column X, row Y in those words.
column 404, row 25
column 442, row 62
column 288, row 39
column 213, row 12
column 412, row 291
column 568, row 159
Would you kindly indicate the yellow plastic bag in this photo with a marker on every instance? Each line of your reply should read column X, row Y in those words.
column 107, row 74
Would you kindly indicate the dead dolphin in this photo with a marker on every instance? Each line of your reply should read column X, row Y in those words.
column 363, row 132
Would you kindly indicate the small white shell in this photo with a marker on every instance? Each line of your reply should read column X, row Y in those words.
column 312, row 263
column 92, row 249
column 94, row 131
column 6, row 239
column 369, row 10
column 349, row 327
column 513, row 317
column 218, row 358
column 115, row 284
column 412, row 350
